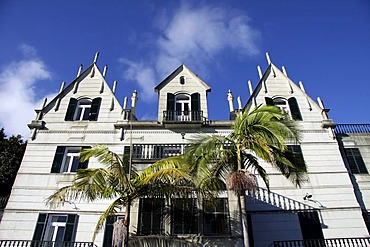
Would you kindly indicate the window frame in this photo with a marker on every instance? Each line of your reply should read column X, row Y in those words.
column 83, row 109
column 291, row 106
column 186, row 209
column 156, row 213
column 355, row 161
column 108, row 229
column 61, row 157
column 215, row 219
column 45, row 231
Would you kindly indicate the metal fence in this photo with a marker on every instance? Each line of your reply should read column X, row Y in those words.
column 335, row 242
column 29, row 243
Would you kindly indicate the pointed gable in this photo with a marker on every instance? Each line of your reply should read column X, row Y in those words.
column 182, row 92
column 181, row 69
column 88, row 98
column 276, row 88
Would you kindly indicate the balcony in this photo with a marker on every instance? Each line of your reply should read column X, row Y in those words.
column 29, row 243
column 187, row 119
column 147, row 152
column 335, row 242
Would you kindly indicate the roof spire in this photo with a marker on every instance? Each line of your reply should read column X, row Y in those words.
column 96, row 57
column 105, row 70
column 79, row 70
column 239, row 103
column 230, row 98
column 259, row 71
column 250, row 87
column 268, row 58
column 284, row 70
column 114, row 86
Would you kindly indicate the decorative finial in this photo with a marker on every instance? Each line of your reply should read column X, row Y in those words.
column 284, row 70
column 259, row 71
column 268, row 58
column 105, row 70
column 96, row 57
column 114, row 86
column 301, row 86
column 250, row 87
column 79, row 70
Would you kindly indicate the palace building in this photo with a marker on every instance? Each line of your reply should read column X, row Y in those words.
column 333, row 205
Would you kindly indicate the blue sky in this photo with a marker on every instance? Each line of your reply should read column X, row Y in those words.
column 325, row 44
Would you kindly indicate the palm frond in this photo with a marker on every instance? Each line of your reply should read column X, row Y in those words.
column 111, row 210
column 111, row 160
column 89, row 184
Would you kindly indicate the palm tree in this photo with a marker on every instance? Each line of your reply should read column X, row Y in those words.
column 118, row 181
column 261, row 133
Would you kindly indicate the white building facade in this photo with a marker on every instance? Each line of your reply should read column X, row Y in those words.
column 86, row 112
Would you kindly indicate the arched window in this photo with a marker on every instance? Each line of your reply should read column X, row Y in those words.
column 83, row 109
column 289, row 106
column 183, row 107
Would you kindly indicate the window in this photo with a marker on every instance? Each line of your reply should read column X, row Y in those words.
column 296, row 152
column 182, row 80
column 310, row 225
column 355, row 162
column 66, row 159
column 151, row 216
column 184, row 216
column 56, row 227
column 183, row 107
column 83, row 109
column 289, row 106
column 216, row 217
column 108, row 230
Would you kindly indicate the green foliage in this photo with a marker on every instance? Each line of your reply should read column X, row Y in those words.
column 264, row 133
column 113, row 182
column 11, row 154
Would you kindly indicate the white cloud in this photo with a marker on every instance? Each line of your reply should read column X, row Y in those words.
column 17, row 93
column 144, row 76
column 27, row 50
column 196, row 36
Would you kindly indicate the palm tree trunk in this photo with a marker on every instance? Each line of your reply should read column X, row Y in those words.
column 126, row 223
column 243, row 209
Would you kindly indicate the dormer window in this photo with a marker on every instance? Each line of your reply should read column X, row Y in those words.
column 289, row 106
column 83, row 109
column 182, row 80
column 183, row 107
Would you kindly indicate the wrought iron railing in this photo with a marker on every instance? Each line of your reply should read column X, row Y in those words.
column 334, row 242
column 156, row 151
column 277, row 200
column 183, row 116
column 352, row 128
column 3, row 201
column 30, row 243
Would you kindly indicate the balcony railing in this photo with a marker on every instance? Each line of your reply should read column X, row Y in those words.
column 29, row 243
column 335, row 242
column 183, row 116
column 3, row 201
column 277, row 200
column 155, row 151
column 352, row 128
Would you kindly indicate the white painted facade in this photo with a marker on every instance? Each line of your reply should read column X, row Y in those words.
column 272, row 216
